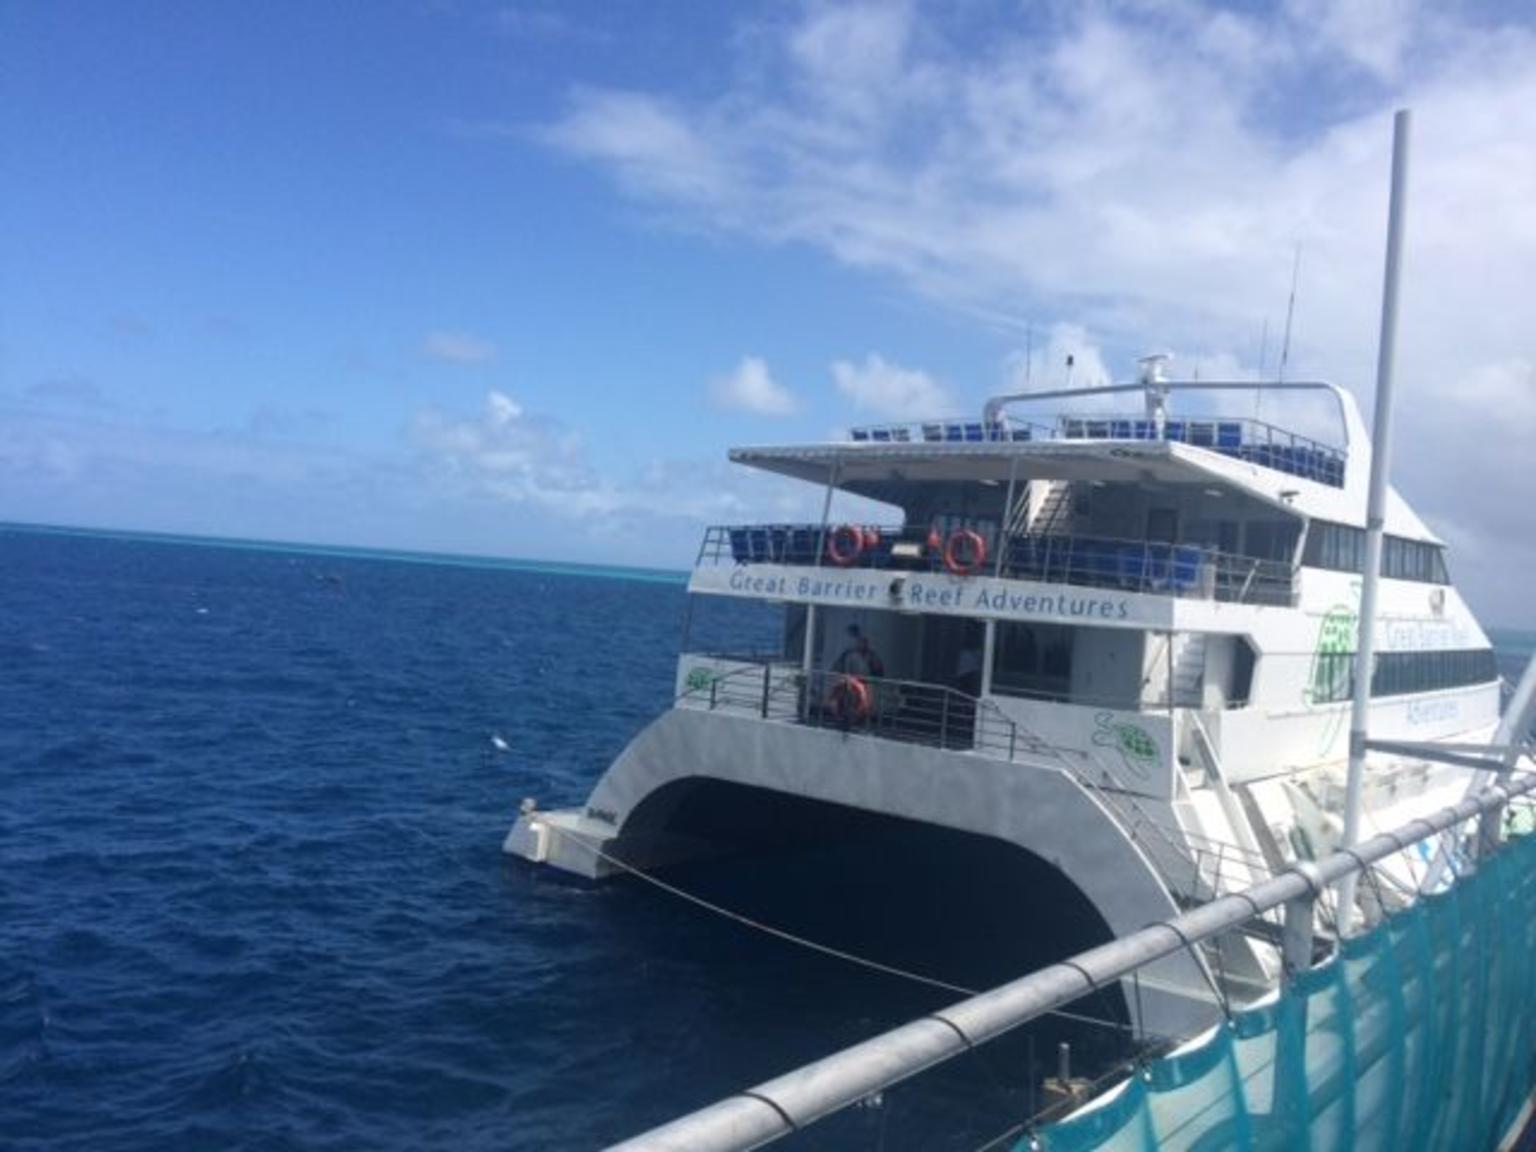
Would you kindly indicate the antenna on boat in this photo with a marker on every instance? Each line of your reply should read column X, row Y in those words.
column 1258, row 393
column 1029, row 353
column 1290, row 311
column 1375, row 512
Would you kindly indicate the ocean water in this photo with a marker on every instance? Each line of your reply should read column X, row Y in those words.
column 252, row 894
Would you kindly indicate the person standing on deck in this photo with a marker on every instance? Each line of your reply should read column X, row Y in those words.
column 859, row 658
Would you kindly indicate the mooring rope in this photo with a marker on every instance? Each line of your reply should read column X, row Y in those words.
column 805, row 942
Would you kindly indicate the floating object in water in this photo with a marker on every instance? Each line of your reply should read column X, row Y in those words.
column 498, row 743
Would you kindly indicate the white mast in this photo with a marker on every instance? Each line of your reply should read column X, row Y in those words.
column 1381, row 459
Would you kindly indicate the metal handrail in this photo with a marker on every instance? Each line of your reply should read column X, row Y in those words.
column 1198, row 431
column 788, row 1103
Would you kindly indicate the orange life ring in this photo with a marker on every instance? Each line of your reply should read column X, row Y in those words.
column 845, row 545
column 965, row 552
column 851, row 700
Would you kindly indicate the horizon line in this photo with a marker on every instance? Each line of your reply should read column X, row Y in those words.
column 355, row 551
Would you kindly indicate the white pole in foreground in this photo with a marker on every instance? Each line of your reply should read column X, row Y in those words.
column 1381, row 460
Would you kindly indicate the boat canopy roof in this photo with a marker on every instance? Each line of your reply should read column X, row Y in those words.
column 896, row 473
column 890, row 472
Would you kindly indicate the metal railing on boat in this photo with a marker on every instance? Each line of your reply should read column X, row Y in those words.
column 1240, row 438
column 1140, row 566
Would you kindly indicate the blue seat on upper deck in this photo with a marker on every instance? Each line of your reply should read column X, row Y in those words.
column 741, row 550
column 1132, row 561
column 1120, row 430
column 1174, row 430
column 860, row 434
column 1073, row 429
column 954, row 432
column 933, row 432
column 758, row 545
column 882, row 435
column 1229, row 437
column 1021, row 432
column 1202, row 433
column 974, row 433
column 1185, row 567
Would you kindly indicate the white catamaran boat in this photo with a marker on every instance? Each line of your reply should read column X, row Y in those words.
column 1119, row 639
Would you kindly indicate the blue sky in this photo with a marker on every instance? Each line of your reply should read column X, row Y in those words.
column 509, row 279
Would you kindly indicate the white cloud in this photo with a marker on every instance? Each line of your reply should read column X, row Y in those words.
column 513, row 457
column 752, row 389
column 890, row 390
column 1145, row 173
column 458, row 348
column 508, row 456
column 1371, row 34
column 650, row 145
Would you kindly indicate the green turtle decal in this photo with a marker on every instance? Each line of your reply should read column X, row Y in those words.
column 1328, row 681
column 1136, row 747
column 699, row 678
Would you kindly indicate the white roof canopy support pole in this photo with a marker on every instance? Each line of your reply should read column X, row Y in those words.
column 1381, row 459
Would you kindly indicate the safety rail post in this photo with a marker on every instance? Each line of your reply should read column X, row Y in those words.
column 944, row 721
column 1297, row 932
column 714, row 684
column 767, row 670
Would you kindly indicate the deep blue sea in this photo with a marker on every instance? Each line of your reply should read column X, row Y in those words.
column 252, row 893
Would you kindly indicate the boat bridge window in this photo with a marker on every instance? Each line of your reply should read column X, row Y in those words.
column 1341, row 548
column 1033, row 660
column 1271, row 539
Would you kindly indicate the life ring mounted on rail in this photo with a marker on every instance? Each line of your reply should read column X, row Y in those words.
column 965, row 552
column 851, row 700
column 847, row 543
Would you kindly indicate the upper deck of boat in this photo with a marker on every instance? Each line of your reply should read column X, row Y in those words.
column 1102, row 447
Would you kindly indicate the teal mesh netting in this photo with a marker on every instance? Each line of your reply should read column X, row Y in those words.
column 1421, row 1034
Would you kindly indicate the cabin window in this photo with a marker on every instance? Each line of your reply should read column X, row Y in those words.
column 1271, row 540
column 1401, row 673
column 1033, row 660
column 1227, row 536
column 1163, row 525
column 1341, row 548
